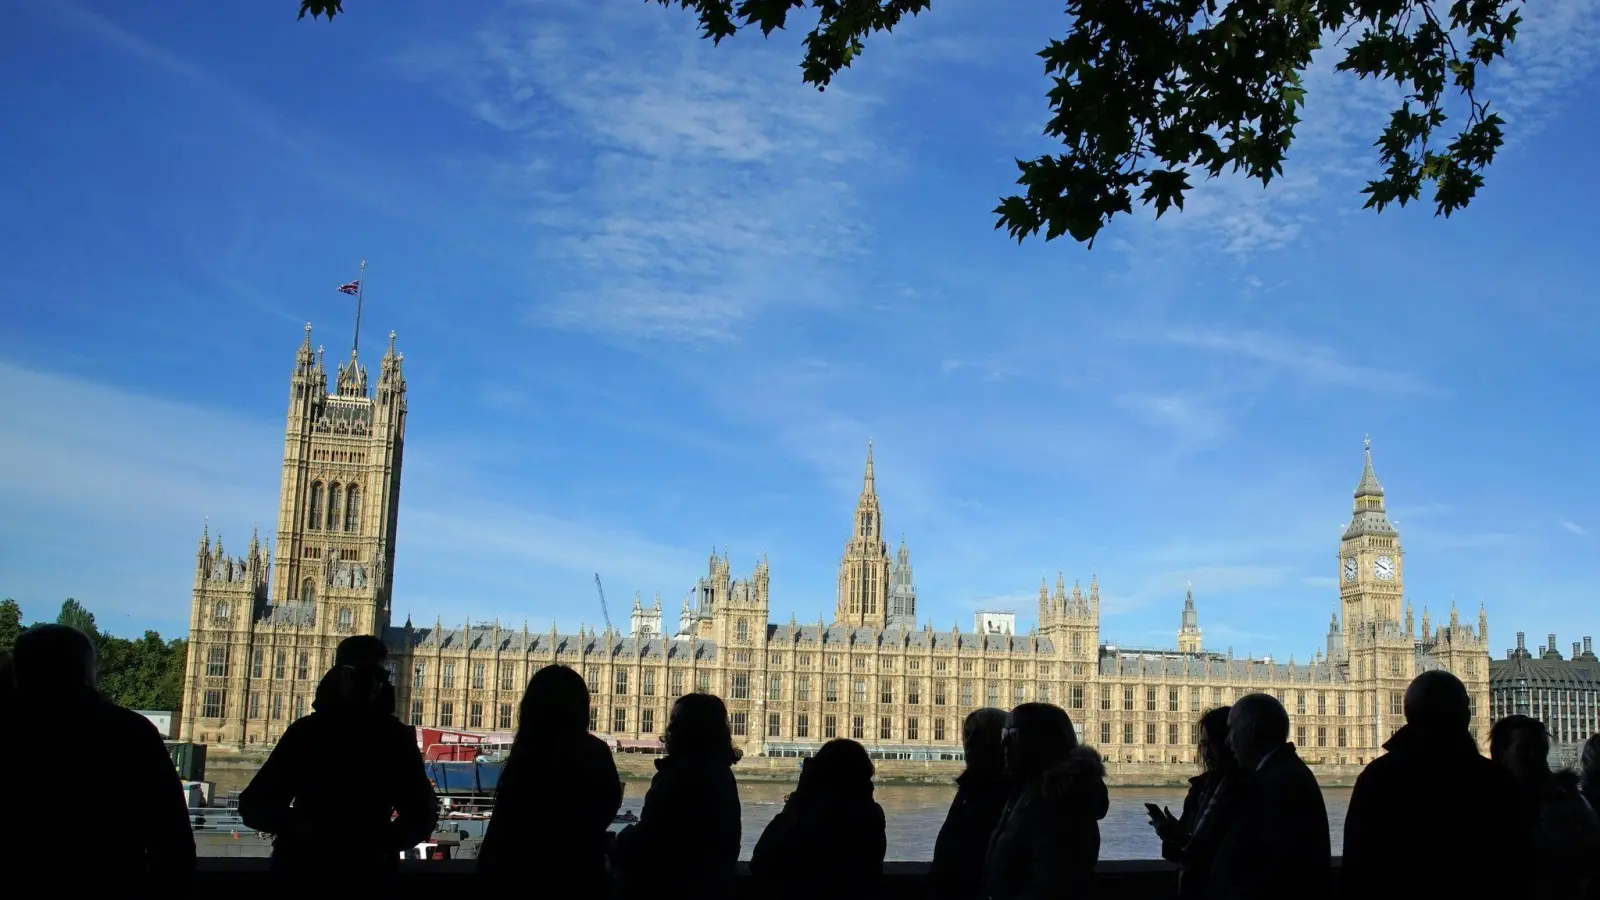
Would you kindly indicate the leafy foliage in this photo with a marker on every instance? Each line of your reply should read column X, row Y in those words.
column 10, row 624
column 73, row 614
column 1149, row 93
column 143, row 673
column 328, row 8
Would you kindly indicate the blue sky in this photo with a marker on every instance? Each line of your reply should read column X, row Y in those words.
column 655, row 296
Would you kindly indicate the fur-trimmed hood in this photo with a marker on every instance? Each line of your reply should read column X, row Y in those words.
column 1079, row 780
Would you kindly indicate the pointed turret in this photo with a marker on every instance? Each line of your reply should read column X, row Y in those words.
column 1483, row 625
column 865, row 571
column 1368, row 486
column 1368, row 516
column 1189, row 630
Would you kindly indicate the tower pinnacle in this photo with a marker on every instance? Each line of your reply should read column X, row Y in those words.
column 868, row 483
column 1368, row 486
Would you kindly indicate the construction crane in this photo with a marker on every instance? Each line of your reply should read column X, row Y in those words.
column 603, row 612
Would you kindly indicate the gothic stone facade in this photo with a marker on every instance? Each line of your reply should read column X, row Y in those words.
column 263, row 629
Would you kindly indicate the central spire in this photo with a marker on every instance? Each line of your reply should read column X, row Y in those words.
column 864, row 573
column 1368, row 486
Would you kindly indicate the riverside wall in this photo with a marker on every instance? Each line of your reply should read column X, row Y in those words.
column 231, row 771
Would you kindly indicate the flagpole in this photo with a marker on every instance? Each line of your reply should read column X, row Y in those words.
column 361, row 285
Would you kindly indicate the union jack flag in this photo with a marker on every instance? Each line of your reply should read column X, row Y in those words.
column 353, row 287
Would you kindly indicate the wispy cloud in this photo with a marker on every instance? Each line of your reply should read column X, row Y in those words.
column 1574, row 527
column 1557, row 49
column 713, row 184
column 1192, row 420
column 1316, row 364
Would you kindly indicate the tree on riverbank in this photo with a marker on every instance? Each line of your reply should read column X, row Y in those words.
column 139, row 673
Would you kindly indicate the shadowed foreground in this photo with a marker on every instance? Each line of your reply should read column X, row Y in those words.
column 1124, row 879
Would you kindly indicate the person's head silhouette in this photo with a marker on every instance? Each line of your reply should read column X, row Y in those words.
column 1437, row 702
column 1521, row 744
column 699, row 729
column 840, row 770
column 980, row 739
column 1589, row 761
column 1257, row 725
column 556, row 704
column 1212, row 747
column 356, row 681
column 1037, row 736
column 53, row 661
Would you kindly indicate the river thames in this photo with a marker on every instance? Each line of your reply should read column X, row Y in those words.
column 915, row 812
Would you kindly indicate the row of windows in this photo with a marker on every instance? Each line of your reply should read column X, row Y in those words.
column 214, row 705
column 862, row 662
column 342, row 511
column 474, row 715
column 218, row 663
column 740, row 687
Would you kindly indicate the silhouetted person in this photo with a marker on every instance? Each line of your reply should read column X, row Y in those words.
column 558, row 793
column 114, row 767
column 1183, row 841
column 686, row 841
column 1048, row 838
column 344, row 791
column 830, row 816
column 1275, row 839
column 1563, row 833
column 8, row 685
column 1432, row 796
column 1589, row 772
column 981, row 792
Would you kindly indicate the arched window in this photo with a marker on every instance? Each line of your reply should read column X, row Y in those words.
column 308, row 592
column 345, row 618
column 333, row 507
column 743, row 630
column 352, row 508
column 221, row 611
column 314, row 517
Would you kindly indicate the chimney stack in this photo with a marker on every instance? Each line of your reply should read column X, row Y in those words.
column 1541, row 650
column 1521, row 641
column 1552, row 644
column 1588, row 647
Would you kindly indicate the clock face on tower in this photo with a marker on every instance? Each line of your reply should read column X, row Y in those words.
column 1350, row 568
column 1383, row 567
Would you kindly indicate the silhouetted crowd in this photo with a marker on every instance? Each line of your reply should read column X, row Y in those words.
column 344, row 793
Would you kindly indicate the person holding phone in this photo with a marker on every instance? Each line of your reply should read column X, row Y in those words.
column 1204, row 802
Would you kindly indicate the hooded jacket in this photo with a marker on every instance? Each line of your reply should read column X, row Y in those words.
column 1564, row 837
column 1048, row 838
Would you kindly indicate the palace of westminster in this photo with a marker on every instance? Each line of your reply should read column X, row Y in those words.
column 264, row 626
